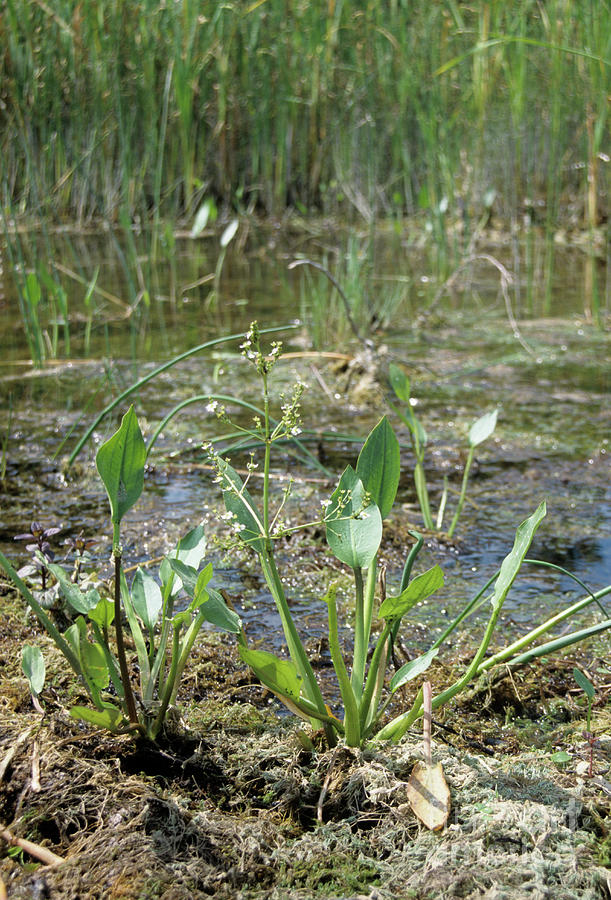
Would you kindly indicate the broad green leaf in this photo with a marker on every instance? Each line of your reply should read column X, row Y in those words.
column 483, row 428
column 200, row 593
column 279, row 675
column 187, row 575
column 218, row 613
column 91, row 656
column 399, row 382
column 378, row 466
column 354, row 531
column 146, row 598
column 33, row 666
column 561, row 757
column 94, row 664
column 239, row 502
column 190, row 550
column 417, row 590
column 110, row 717
column 512, row 562
column 229, row 233
column 584, row 683
column 103, row 614
column 203, row 579
column 413, row 668
column 120, row 462
column 80, row 601
column 72, row 636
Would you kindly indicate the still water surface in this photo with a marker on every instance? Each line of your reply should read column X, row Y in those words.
column 551, row 383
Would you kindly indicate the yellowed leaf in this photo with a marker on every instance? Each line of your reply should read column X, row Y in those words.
column 429, row 795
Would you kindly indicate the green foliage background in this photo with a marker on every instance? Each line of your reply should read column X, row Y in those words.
column 114, row 108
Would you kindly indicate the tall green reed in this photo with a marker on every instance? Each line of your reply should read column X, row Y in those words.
column 348, row 108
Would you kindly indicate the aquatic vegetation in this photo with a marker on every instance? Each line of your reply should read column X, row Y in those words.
column 439, row 104
column 163, row 636
column 479, row 432
column 353, row 519
column 352, row 305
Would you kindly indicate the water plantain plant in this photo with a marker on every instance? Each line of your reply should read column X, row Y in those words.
column 479, row 432
column 163, row 637
column 353, row 521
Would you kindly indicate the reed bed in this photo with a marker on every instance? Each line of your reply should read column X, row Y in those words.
column 356, row 109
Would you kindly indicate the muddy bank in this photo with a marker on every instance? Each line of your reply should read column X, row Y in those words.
column 235, row 802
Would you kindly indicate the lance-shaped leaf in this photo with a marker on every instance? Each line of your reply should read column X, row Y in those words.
column 109, row 717
column 102, row 614
column 413, row 668
column 482, row 429
column 399, row 382
column 378, row 466
column 120, row 462
column 218, row 613
column 91, row 655
column 186, row 574
column 354, row 529
column 582, row 680
column 33, row 666
column 417, row 590
column 229, row 233
column 512, row 562
column 239, row 502
column 190, row 550
column 279, row 675
column 80, row 601
column 146, row 598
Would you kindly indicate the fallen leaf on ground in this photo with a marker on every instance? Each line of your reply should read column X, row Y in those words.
column 429, row 795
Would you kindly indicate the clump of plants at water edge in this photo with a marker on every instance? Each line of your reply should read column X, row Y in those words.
column 163, row 637
column 353, row 519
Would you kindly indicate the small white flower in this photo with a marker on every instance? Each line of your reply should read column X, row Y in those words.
column 212, row 406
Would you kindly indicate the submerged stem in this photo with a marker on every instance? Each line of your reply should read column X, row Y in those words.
column 463, row 491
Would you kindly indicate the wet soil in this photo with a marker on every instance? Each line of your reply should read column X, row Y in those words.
column 235, row 801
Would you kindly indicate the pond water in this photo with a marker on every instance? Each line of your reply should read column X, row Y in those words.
column 541, row 362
